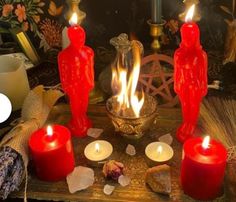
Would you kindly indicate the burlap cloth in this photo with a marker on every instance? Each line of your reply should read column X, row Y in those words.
column 35, row 111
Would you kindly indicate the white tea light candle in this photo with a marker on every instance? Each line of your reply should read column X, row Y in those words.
column 98, row 150
column 159, row 152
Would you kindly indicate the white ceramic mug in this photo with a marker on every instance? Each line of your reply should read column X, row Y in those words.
column 13, row 80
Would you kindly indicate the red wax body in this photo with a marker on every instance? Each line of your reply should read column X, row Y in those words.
column 190, row 78
column 202, row 170
column 53, row 156
column 77, row 78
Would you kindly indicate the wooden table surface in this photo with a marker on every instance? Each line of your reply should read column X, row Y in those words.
column 136, row 166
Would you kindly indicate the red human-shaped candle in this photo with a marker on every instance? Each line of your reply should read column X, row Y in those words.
column 52, row 152
column 190, row 77
column 203, row 168
column 77, row 77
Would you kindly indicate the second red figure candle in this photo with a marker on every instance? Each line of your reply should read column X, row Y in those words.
column 190, row 78
column 77, row 78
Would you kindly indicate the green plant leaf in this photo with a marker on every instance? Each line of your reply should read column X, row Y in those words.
column 4, row 31
column 40, row 10
column 32, row 13
column 7, row 1
column 41, row 4
column 225, row 9
column 35, row 27
column 14, row 22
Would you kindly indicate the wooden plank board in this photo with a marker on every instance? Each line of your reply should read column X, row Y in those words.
column 166, row 122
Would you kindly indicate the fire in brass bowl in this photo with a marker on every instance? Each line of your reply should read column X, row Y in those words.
column 133, row 127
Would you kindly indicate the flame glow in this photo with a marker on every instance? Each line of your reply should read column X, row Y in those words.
column 189, row 15
column 73, row 20
column 49, row 131
column 159, row 149
column 206, row 141
column 97, row 147
column 124, row 86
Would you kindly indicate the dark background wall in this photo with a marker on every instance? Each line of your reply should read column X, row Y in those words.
column 108, row 18
column 43, row 21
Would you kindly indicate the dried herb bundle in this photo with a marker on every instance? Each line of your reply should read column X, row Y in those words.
column 218, row 119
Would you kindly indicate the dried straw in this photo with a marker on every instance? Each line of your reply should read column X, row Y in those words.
column 218, row 119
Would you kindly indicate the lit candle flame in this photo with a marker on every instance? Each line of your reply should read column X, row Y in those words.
column 159, row 149
column 73, row 20
column 206, row 141
column 189, row 15
column 49, row 131
column 97, row 147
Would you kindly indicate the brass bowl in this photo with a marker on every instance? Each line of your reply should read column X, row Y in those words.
column 132, row 127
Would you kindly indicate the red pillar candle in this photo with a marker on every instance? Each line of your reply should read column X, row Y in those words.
column 52, row 152
column 190, row 77
column 77, row 77
column 203, row 167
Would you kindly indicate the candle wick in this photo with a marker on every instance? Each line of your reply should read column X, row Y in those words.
column 97, row 149
column 205, row 143
column 49, row 132
column 159, row 150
